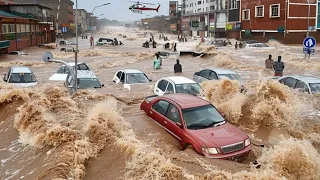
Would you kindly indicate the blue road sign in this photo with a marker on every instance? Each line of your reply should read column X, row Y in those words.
column 309, row 42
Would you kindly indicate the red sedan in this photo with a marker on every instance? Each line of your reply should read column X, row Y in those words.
column 196, row 122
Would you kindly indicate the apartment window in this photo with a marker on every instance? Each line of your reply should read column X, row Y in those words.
column 199, row 2
column 246, row 14
column 199, row 10
column 259, row 11
column 212, row 8
column 233, row 4
column 275, row 10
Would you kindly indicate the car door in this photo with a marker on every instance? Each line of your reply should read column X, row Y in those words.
column 303, row 87
column 161, row 87
column 158, row 112
column 6, row 76
column 196, row 76
column 173, row 122
column 117, row 77
column 170, row 88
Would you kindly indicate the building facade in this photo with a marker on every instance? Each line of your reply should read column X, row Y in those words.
column 233, row 25
column 19, row 30
column 158, row 23
column 4, row 2
column 284, row 20
column 206, row 18
column 65, row 21
column 82, row 20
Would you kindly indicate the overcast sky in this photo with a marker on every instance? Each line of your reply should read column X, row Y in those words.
column 119, row 9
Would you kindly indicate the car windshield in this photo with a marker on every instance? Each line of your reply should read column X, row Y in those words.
column 86, row 83
column 315, row 88
column 135, row 78
column 22, row 78
column 231, row 77
column 193, row 88
column 202, row 117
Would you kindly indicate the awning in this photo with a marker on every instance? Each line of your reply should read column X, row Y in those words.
column 4, row 44
column 4, row 14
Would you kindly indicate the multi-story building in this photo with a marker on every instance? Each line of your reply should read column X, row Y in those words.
column 157, row 23
column 284, row 20
column 82, row 20
column 23, row 26
column 65, row 20
column 233, row 25
column 205, row 17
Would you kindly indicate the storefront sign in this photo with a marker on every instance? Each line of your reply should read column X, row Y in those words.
column 173, row 27
column 233, row 26
column 195, row 24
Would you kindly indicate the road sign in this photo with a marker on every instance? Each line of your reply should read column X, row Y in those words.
column 309, row 42
column 64, row 29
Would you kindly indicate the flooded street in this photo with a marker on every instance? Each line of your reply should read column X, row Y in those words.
column 46, row 133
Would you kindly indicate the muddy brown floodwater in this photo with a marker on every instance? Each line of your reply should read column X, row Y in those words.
column 45, row 133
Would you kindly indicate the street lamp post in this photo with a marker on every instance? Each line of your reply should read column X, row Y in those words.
column 92, row 18
column 308, row 17
column 99, row 26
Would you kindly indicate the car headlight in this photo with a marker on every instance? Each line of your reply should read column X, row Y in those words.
column 213, row 151
column 210, row 151
column 247, row 142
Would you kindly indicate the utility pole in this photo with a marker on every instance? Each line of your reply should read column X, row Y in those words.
column 308, row 17
column 215, row 20
column 76, row 52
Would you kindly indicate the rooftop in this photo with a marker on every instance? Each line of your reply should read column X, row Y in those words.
column 20, row 69
column 84, row 74
column 26, row 4
column 131, row 71
column 186, row 101
column 5, row 14
column 180, row 80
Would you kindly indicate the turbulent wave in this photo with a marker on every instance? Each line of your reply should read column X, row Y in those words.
column 268, row 103
column 22, row 63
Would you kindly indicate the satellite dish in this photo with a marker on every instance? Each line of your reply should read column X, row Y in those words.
column 47, row 56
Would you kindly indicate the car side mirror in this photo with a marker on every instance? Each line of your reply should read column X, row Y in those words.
column 179, row 125
column 150, row 80
column 102, row 85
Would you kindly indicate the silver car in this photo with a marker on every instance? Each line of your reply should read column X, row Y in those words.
column 216, row 74
column 20, row 76
column 306, row 84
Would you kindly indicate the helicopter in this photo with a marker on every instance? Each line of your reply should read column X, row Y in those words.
column 139, row 7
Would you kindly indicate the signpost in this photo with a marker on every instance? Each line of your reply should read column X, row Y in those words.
column 309, row 44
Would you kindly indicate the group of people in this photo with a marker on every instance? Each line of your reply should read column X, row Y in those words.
column 182, row 38
column 161, row 36
column 240, row 45
column 157, row 63
column 277, row 66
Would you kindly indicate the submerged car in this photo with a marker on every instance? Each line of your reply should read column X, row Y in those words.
column 85, row 80
column 17, row 53
column 306, row 84
column 63, row 71
column 196, row 122
column 105, row 41
column 20, row 76
column 130, row 77
column 216, row 74
column 177, row 84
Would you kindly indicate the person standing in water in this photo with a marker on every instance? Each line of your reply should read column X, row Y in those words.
column 175, row 47
column 278, row 67
column 177, row 67
column 269, row 62
column 236, row 45
column 156, row 62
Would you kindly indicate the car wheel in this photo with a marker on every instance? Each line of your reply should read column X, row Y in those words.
column 184, row 146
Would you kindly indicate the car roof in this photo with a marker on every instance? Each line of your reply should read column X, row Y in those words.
column 20, row 69
column 306, row 79
column 73, row 64
column 85, row 74
column 223, row 71
column 185, row 101
column 131, row 71
column 180, row 80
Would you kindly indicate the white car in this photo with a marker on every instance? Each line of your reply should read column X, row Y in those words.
column 130, row 77
column 216, row 74
column 20, row 76
column 177, row 84
column 66, row 43
column 258, row 45
column 17, row 53
column 63, row 71
column 306, row 84
column 86, row 80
